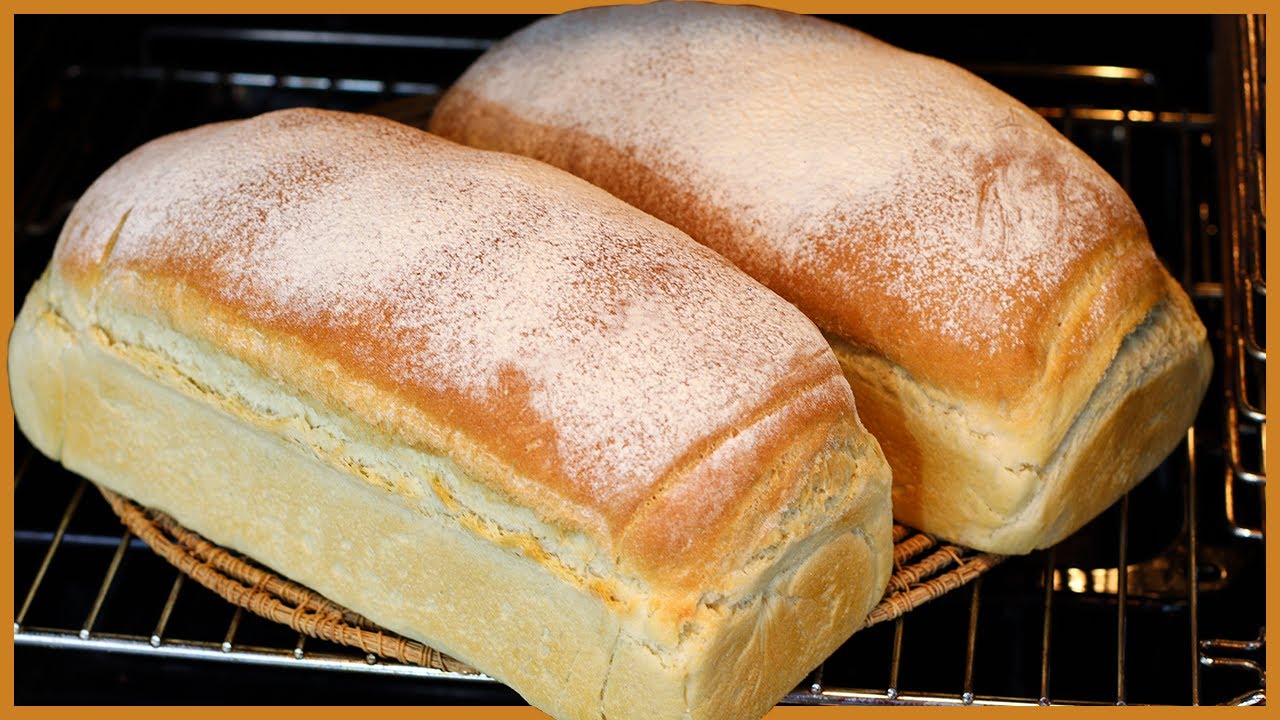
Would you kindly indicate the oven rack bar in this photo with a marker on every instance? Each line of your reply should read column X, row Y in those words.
column 373, row 86
column 218, row 651
column 1243, row 182
column 258, row 80
column 277, row 657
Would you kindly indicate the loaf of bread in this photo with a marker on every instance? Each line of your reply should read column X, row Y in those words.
column 471, row 397
column 1012, row 339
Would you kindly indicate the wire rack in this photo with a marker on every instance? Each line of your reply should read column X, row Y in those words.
column 1244, row 292
column 1160, row 600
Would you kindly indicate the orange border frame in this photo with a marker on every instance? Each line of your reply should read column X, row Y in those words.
column 543, row 6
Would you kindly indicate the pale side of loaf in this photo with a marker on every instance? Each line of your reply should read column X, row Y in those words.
column 470, row 396
column 1013, row 341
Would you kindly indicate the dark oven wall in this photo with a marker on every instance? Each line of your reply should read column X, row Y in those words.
column 1137, row 93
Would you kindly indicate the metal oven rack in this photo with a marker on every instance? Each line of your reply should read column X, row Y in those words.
column 1161, row 600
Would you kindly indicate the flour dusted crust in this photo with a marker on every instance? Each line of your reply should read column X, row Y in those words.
column 919, row 215
column 347, row 345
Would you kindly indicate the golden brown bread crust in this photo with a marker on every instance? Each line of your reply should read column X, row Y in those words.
column 1064, row 329
column 470, row 350
column 181, row 271
column 912, row 210
column 845, row 272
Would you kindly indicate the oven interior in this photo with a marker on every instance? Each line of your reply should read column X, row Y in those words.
column 1159, row 601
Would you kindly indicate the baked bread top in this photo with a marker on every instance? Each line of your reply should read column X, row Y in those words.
column 581, row 358
column 904, row 204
